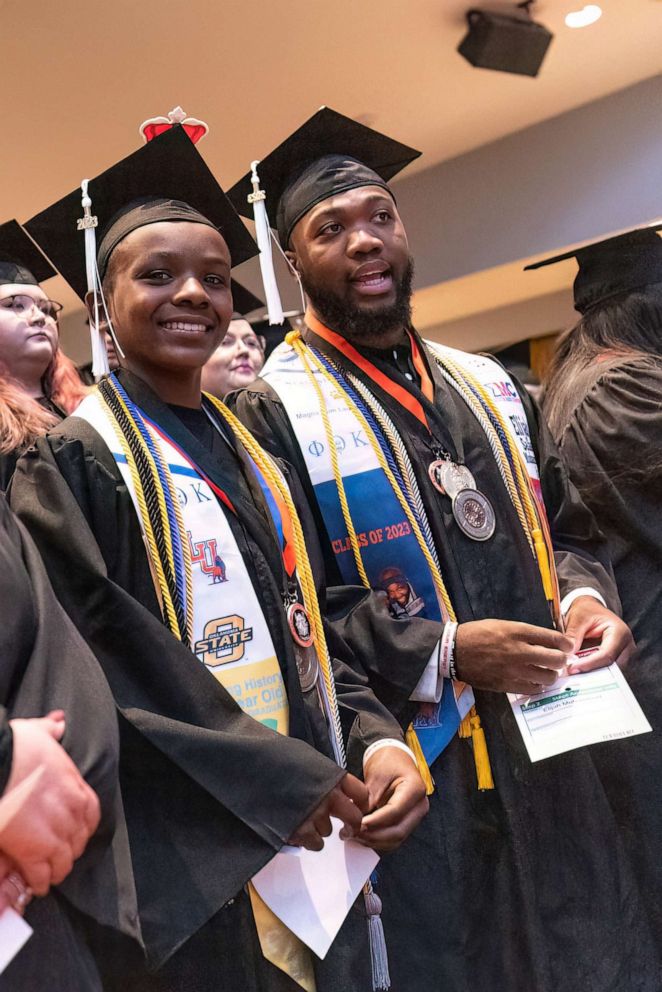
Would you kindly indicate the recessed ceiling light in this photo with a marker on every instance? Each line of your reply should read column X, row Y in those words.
column 582, row 18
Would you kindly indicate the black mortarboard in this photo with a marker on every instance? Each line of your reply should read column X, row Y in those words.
column 20, row 260
column 243, row 300
column 328, row 154
column 613, row 267
column 166, row 179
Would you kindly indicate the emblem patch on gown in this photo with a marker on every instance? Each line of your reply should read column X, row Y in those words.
column 224, row 641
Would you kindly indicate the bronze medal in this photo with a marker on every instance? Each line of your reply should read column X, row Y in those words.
column 434, row 471
column 455, row 477
column 307, row 667
column 299, row 623
column 474, row 514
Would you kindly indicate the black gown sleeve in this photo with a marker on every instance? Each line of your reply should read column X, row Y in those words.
column 392, row 653
column 6, row 749
column 580, row 549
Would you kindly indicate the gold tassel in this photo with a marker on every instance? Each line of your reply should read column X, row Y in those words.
column 464, row 730
column 414, row 745
column 543, row 563
column 481, row 757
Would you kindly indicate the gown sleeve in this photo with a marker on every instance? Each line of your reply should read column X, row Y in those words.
column 6, row 749
column 580, row 549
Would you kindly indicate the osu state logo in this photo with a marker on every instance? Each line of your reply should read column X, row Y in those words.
column 224, row 640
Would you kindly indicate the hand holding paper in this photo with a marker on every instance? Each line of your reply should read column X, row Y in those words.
column 589, row 620
column 312, row 892
column 347, row 802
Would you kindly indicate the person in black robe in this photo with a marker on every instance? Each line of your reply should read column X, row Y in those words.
column 38, row 383
column 210, row 794
column 525, row 887
column 602, row 401
column 44, row 664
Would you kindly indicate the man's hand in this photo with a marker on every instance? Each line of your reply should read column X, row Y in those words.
column 14, row 891
column 588, row 619
column 506, row 656
column 397, row 799
column 348, row 801
column 47, row 812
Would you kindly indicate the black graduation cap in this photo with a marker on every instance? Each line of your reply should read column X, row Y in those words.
column 243, row 300
column 615, row 266
column 328, row 154
column 21, row 261
column 166, row 169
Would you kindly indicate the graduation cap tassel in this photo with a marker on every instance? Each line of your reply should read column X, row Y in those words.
column 263, row 238
column 88, row 224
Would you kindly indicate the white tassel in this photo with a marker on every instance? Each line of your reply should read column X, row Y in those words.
column 88, row 223
column 263, row 235
column 381, row 979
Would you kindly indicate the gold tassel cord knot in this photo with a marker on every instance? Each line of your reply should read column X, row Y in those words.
column 414, row 745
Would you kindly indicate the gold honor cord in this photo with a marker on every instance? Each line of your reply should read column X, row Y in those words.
column 470, row 726
column 304, row 569
column 169, row 611
column 535, row 528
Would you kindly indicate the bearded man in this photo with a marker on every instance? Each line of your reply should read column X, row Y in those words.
column 423, row 458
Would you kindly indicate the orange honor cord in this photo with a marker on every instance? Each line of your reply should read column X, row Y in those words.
column 405, row 399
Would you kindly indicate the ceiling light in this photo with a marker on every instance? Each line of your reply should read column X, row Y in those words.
column 582, row 18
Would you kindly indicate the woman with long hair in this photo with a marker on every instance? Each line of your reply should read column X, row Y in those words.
column 39, row 385
column 603, row 401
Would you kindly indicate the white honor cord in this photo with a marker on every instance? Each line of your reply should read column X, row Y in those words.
column 263, row 237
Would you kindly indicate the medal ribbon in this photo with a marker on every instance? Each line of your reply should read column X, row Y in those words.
column 394, row 389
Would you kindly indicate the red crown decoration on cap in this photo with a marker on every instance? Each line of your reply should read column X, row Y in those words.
column 155, row 126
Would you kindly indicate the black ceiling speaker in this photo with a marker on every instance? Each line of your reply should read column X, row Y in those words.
column 507, row 43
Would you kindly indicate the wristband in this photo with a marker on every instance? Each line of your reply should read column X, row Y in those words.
column 447, row 651
column 387, row 742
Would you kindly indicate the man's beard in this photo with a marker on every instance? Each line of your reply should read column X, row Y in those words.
column 353, row 322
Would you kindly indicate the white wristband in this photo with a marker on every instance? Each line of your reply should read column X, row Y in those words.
column 387, row 742
column 447, row 651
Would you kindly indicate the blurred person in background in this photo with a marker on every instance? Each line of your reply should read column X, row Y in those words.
column 240, row 356
column 63, row 856
column 39, row 385
column 603, row 401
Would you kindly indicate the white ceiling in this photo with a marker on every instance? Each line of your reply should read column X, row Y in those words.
column 78, row 77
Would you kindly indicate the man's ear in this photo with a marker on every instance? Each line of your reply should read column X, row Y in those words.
column 293, row 259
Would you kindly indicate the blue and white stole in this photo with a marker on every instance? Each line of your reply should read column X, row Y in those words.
column 392, row 557
column 226, row 627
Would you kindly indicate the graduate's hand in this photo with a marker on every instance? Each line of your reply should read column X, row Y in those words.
column 14, row 890
column 47, row 812
column 588, row 620
column 348, row 801
column 506, row 656
column 397, row 798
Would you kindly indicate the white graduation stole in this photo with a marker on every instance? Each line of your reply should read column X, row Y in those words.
column 230, row 633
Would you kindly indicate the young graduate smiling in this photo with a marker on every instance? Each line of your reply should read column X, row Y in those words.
column 210, row 793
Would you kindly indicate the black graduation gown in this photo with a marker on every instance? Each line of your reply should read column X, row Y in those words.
column 8, row 459
column 609, row 426
column 524, row 888
column 45, row 665
column 210, row 794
